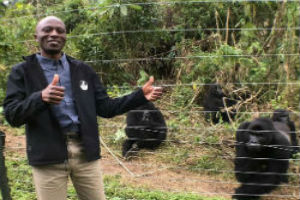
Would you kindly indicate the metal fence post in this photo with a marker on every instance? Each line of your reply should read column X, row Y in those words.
column 5, row 191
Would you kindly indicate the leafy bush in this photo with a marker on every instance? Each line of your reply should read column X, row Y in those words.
column 184, row 40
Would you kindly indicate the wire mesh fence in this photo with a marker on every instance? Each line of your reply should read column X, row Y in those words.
column 194, row 154
column 198, row 163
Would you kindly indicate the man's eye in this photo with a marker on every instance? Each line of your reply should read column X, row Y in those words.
column 60, row 30
column 47, row 29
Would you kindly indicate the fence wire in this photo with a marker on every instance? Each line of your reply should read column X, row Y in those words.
column 174, row 30
column 161, row 3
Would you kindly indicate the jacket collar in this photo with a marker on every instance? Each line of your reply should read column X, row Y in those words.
column 36, row 71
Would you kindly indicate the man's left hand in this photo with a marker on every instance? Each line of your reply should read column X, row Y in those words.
column 151, row 93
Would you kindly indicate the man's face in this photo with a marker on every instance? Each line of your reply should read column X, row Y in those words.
column 51, row 36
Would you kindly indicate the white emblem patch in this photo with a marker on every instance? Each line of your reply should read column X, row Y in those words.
column 83, row 85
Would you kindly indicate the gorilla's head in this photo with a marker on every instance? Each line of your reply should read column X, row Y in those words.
column 146, row 112
column 146, row 116
column 281, row 115
column 216, row 90
column 260, row 133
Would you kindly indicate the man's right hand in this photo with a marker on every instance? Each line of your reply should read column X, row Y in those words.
column 53, row 94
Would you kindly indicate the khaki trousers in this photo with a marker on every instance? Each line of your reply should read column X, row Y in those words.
column 51, row 180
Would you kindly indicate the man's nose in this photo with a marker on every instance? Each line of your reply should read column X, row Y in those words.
column 54, row 33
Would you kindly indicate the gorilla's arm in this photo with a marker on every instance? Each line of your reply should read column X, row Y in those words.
column 287, row 129
column 262, row 182
column 242, row 164
column 277, row 174
column 282, row 115
column 278, row 162
column 294, row 139
column 292, row 126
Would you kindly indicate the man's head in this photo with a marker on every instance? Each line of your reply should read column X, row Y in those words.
column 50, row 33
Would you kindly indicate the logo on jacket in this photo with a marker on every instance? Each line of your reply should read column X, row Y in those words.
column 83, row 85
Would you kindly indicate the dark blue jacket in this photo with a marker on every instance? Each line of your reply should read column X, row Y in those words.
column 44, row 138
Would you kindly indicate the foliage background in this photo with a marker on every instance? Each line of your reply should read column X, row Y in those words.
column 124, row 40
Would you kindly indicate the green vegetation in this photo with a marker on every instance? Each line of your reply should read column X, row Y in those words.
column 232, row 43
column 117, row 191
column 22, row 187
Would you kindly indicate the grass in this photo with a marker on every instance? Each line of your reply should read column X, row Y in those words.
column 22, row 188
column 194, row 146
column 117, row 191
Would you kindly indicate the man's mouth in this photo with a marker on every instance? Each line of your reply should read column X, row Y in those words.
column 53, row 42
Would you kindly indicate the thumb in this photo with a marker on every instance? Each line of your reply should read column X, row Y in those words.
column 150, row 81
column 55, row 79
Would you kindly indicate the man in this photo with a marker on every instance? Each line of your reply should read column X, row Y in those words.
column 58, row 98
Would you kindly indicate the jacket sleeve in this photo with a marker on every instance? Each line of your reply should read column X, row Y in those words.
column 109, row 107
column 19, row 106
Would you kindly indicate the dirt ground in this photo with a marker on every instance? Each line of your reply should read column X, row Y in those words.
column 157, row 176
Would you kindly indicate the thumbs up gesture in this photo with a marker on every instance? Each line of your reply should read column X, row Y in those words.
column 53, row 94
column 151, row 93
column 55, row 79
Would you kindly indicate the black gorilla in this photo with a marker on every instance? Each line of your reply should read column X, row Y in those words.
column 262, row 152
column 146, row 128
column 213, row 104
column 283, row 116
